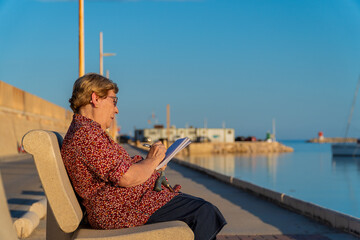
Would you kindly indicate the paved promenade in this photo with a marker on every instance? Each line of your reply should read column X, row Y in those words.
column 248, row 217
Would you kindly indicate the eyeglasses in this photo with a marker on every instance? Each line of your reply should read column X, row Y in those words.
column 115, row 99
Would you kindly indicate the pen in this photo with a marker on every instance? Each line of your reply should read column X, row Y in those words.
column 147, row 145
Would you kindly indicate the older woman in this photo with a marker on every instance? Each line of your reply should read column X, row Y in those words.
column 117, row 190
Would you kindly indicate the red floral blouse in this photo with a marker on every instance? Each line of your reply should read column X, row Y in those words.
column 95, row 163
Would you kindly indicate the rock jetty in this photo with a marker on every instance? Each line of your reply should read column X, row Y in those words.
column 238, row 147
column 332, row 140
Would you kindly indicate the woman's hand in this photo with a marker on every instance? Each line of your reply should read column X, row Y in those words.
column 139, row 172
column 157, row 152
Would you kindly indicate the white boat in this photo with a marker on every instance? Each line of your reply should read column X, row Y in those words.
column 346, row 149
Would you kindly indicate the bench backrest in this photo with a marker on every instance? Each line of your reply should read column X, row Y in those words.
column 45, row 148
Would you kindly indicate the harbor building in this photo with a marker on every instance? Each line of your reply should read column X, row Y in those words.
column 195, row 134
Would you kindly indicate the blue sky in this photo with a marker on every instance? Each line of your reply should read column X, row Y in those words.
column 242, row 62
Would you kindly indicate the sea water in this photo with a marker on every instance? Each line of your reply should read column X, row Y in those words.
column 310, row 173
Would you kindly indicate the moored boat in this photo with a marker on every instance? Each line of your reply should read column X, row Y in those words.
column 346, row 149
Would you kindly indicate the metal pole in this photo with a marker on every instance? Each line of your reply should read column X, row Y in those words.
column 81, row 39
column 101, row 53
column 168, row 121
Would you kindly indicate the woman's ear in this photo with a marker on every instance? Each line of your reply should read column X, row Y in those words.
column 94, row 99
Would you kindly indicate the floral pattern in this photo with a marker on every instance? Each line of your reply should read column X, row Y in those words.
column 95, row 164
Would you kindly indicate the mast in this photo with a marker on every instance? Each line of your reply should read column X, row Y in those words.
column 273, row 130
column 352, row 108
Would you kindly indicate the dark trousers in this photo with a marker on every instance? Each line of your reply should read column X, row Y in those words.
column 202, row 217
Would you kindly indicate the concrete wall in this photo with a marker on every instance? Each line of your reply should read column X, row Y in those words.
column 21, row 111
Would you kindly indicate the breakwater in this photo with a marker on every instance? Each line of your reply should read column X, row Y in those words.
column 332, row 140
column 238, row 147
column 21, row 111
column 234, row 147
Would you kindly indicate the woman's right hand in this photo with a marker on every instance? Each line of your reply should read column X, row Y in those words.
column 141, row 171
column 157, row 152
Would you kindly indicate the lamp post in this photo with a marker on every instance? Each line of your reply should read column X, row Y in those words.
column 103, row 54
column 81, row 39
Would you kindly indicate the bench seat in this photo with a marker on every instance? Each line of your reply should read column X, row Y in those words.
column 64, row 213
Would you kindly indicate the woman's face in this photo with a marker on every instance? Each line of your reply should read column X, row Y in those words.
column 107, row 109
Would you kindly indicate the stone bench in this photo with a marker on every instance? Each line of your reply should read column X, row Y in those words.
column 64, row 214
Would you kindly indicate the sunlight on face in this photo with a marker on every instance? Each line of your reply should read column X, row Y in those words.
column 107, row 110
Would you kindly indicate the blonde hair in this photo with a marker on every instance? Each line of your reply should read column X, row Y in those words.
column 84, row 86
